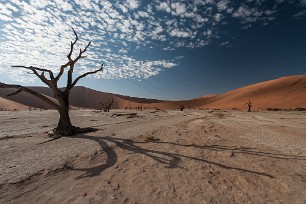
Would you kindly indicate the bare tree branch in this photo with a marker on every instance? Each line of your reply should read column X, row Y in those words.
column 40, row 76
column 107, row 106
column 82, row 52
column 15, row 93
column 72, row 45
column 30, row 91
column 70, row 62
column 69, row 80
column 62, row 70
column 36, row 69
column 84, row 75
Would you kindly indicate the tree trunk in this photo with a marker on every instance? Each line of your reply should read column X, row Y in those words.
column 249, row 109
column 64, row 124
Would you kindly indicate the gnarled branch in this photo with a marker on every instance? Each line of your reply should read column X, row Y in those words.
column 15, row 93
column 107, row 106
column 72, row 45
column 30, row 91
column 62, row 70
column 72, row 63
column 36, row 69
column 81, row 53
column 84, row 75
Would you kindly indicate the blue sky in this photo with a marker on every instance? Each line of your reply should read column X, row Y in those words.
column 157, row 49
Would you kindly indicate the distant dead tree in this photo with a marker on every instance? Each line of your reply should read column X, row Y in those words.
column 139, row 108
column 107, row 106
column 61, row 102
column 182, row 107
column 249, row 104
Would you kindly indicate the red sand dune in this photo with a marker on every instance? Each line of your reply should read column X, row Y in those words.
column 6, row 104
column 80, row 97
column 285, row 92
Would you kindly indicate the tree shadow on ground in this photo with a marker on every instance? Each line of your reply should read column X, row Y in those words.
column 242, row 150
column 171, row 160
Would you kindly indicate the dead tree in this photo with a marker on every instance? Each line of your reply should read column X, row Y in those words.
column 139, row 108
column 61, row 96
column 107, row 106
column 249, row 104
column 182, row 107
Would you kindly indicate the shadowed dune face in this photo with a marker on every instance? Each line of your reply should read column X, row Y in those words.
column 286, row 92
column 25, row 98
column 80, row 97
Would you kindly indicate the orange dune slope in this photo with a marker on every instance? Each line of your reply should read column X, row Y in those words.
column 285, row 92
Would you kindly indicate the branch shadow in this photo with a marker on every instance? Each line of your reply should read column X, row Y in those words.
column 241, row 150
column 111, row 159
column 171, row 160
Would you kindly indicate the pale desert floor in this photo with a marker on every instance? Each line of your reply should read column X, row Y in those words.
column 195, row 157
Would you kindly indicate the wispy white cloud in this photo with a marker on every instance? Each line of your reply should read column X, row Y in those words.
column 218, row 17
column 226, row 43
column 179, row 33
column 223, row 5
column 164, row 6
column 301, row 14
column 303, row 2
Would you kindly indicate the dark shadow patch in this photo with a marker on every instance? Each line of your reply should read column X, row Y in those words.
column 171, row 160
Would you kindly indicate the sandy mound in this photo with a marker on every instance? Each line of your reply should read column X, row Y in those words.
column 6, row 104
